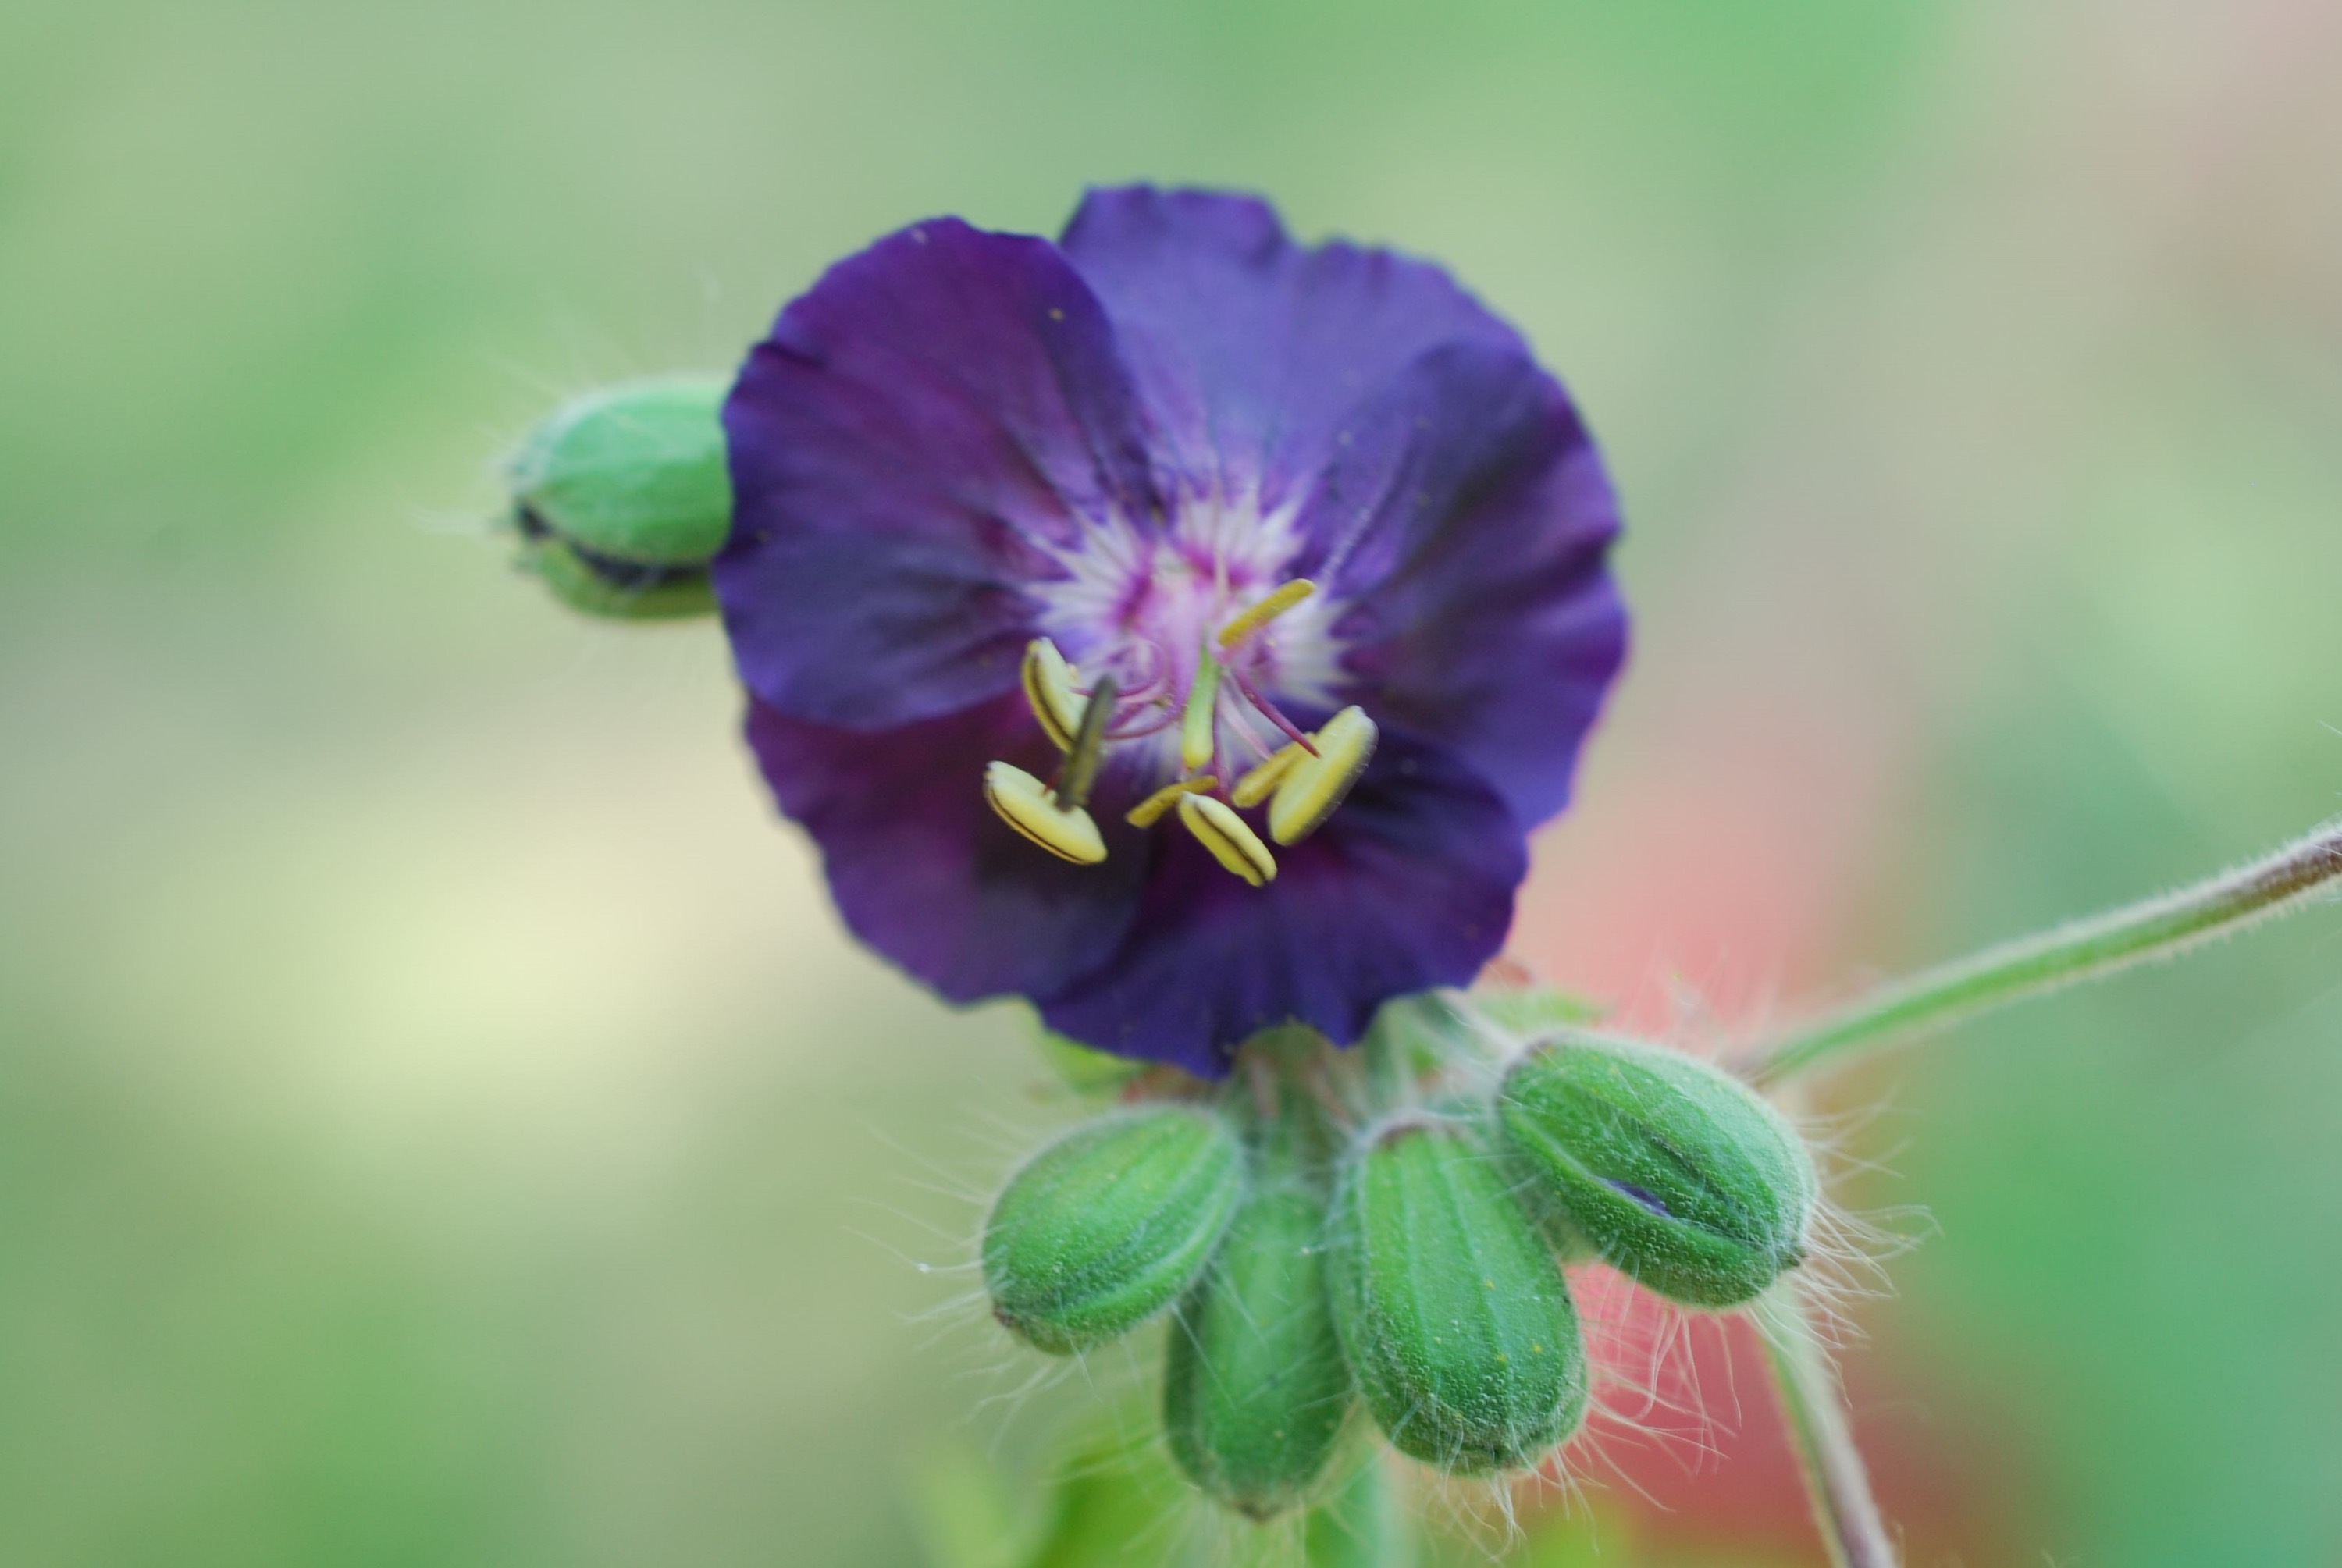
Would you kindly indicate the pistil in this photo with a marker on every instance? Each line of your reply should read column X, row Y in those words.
column 1200, row 724
column 1082, row 758
column 1303, row 782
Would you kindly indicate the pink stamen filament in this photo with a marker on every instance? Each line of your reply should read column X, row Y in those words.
column 1242, row 726
column 1162, row 719
column 1269, row 711
column 1151, row 680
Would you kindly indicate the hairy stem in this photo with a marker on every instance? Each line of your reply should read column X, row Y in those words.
column 1361, row 1526
column 1812, row 1403
column 2162, row 927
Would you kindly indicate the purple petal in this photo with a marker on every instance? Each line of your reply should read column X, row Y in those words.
column 922, row 869
column 1470, row 520
column 1408, row 885
column 1251, row 351
column 931, row 413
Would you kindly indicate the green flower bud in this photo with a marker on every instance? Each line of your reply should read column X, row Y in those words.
column 1676, row 1172
column 622, row 496
column 1255, row 1393
column 1450, row 1307
column 1108, row 1226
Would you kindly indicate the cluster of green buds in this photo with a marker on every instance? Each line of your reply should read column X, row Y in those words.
column 621, row 498
column 1379, row 1235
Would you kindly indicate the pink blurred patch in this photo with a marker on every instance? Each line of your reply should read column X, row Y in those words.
column 1704, row 885
column 1686, row 1437
column 1695, row 893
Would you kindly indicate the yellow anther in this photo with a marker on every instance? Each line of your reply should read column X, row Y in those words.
column 1268, row 610
column 1049, row 688
column 1232, row 843
column 1255, row 786
column 1149, row 812
column 1313, row 786
column 1199, row 723
column 1025, row 805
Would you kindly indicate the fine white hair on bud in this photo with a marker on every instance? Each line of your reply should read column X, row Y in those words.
column 1451, row 1308
column 1676, row 1173
column 1256, row 1396
column 621, row 498
column 1108, row 1225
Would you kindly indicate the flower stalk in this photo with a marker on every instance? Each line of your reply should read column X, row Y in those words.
column 2302, row 872
column 1814, row 1405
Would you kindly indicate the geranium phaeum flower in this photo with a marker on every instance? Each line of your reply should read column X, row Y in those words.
column 1176, row 625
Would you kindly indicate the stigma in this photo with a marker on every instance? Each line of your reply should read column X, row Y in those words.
column 1193, row 703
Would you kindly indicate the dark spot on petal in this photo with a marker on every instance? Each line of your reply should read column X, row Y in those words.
column 1648, row 1200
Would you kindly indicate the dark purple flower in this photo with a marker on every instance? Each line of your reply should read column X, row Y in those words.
column 1002, row 507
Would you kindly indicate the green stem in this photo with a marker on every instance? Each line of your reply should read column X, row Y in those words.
column 1814, row 1406
column 1364, row 1525
column 2162, row 927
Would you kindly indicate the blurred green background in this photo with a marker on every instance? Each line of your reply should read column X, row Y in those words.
column 440, row 1122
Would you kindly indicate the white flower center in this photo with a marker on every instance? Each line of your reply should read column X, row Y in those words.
column 1175, row 652
column 1149, row 611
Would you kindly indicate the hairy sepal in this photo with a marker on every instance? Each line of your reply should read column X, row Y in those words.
column 1108, row 1225
column 1256, row 1395
column 1674, row 1171
column 1450, row 1307
column 621, row 497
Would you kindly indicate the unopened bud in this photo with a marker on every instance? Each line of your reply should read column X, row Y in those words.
column 1450, row 1307
column 1256, row 1392
column 1678, row 1174
column 621, row 498
column 1107, row 1226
